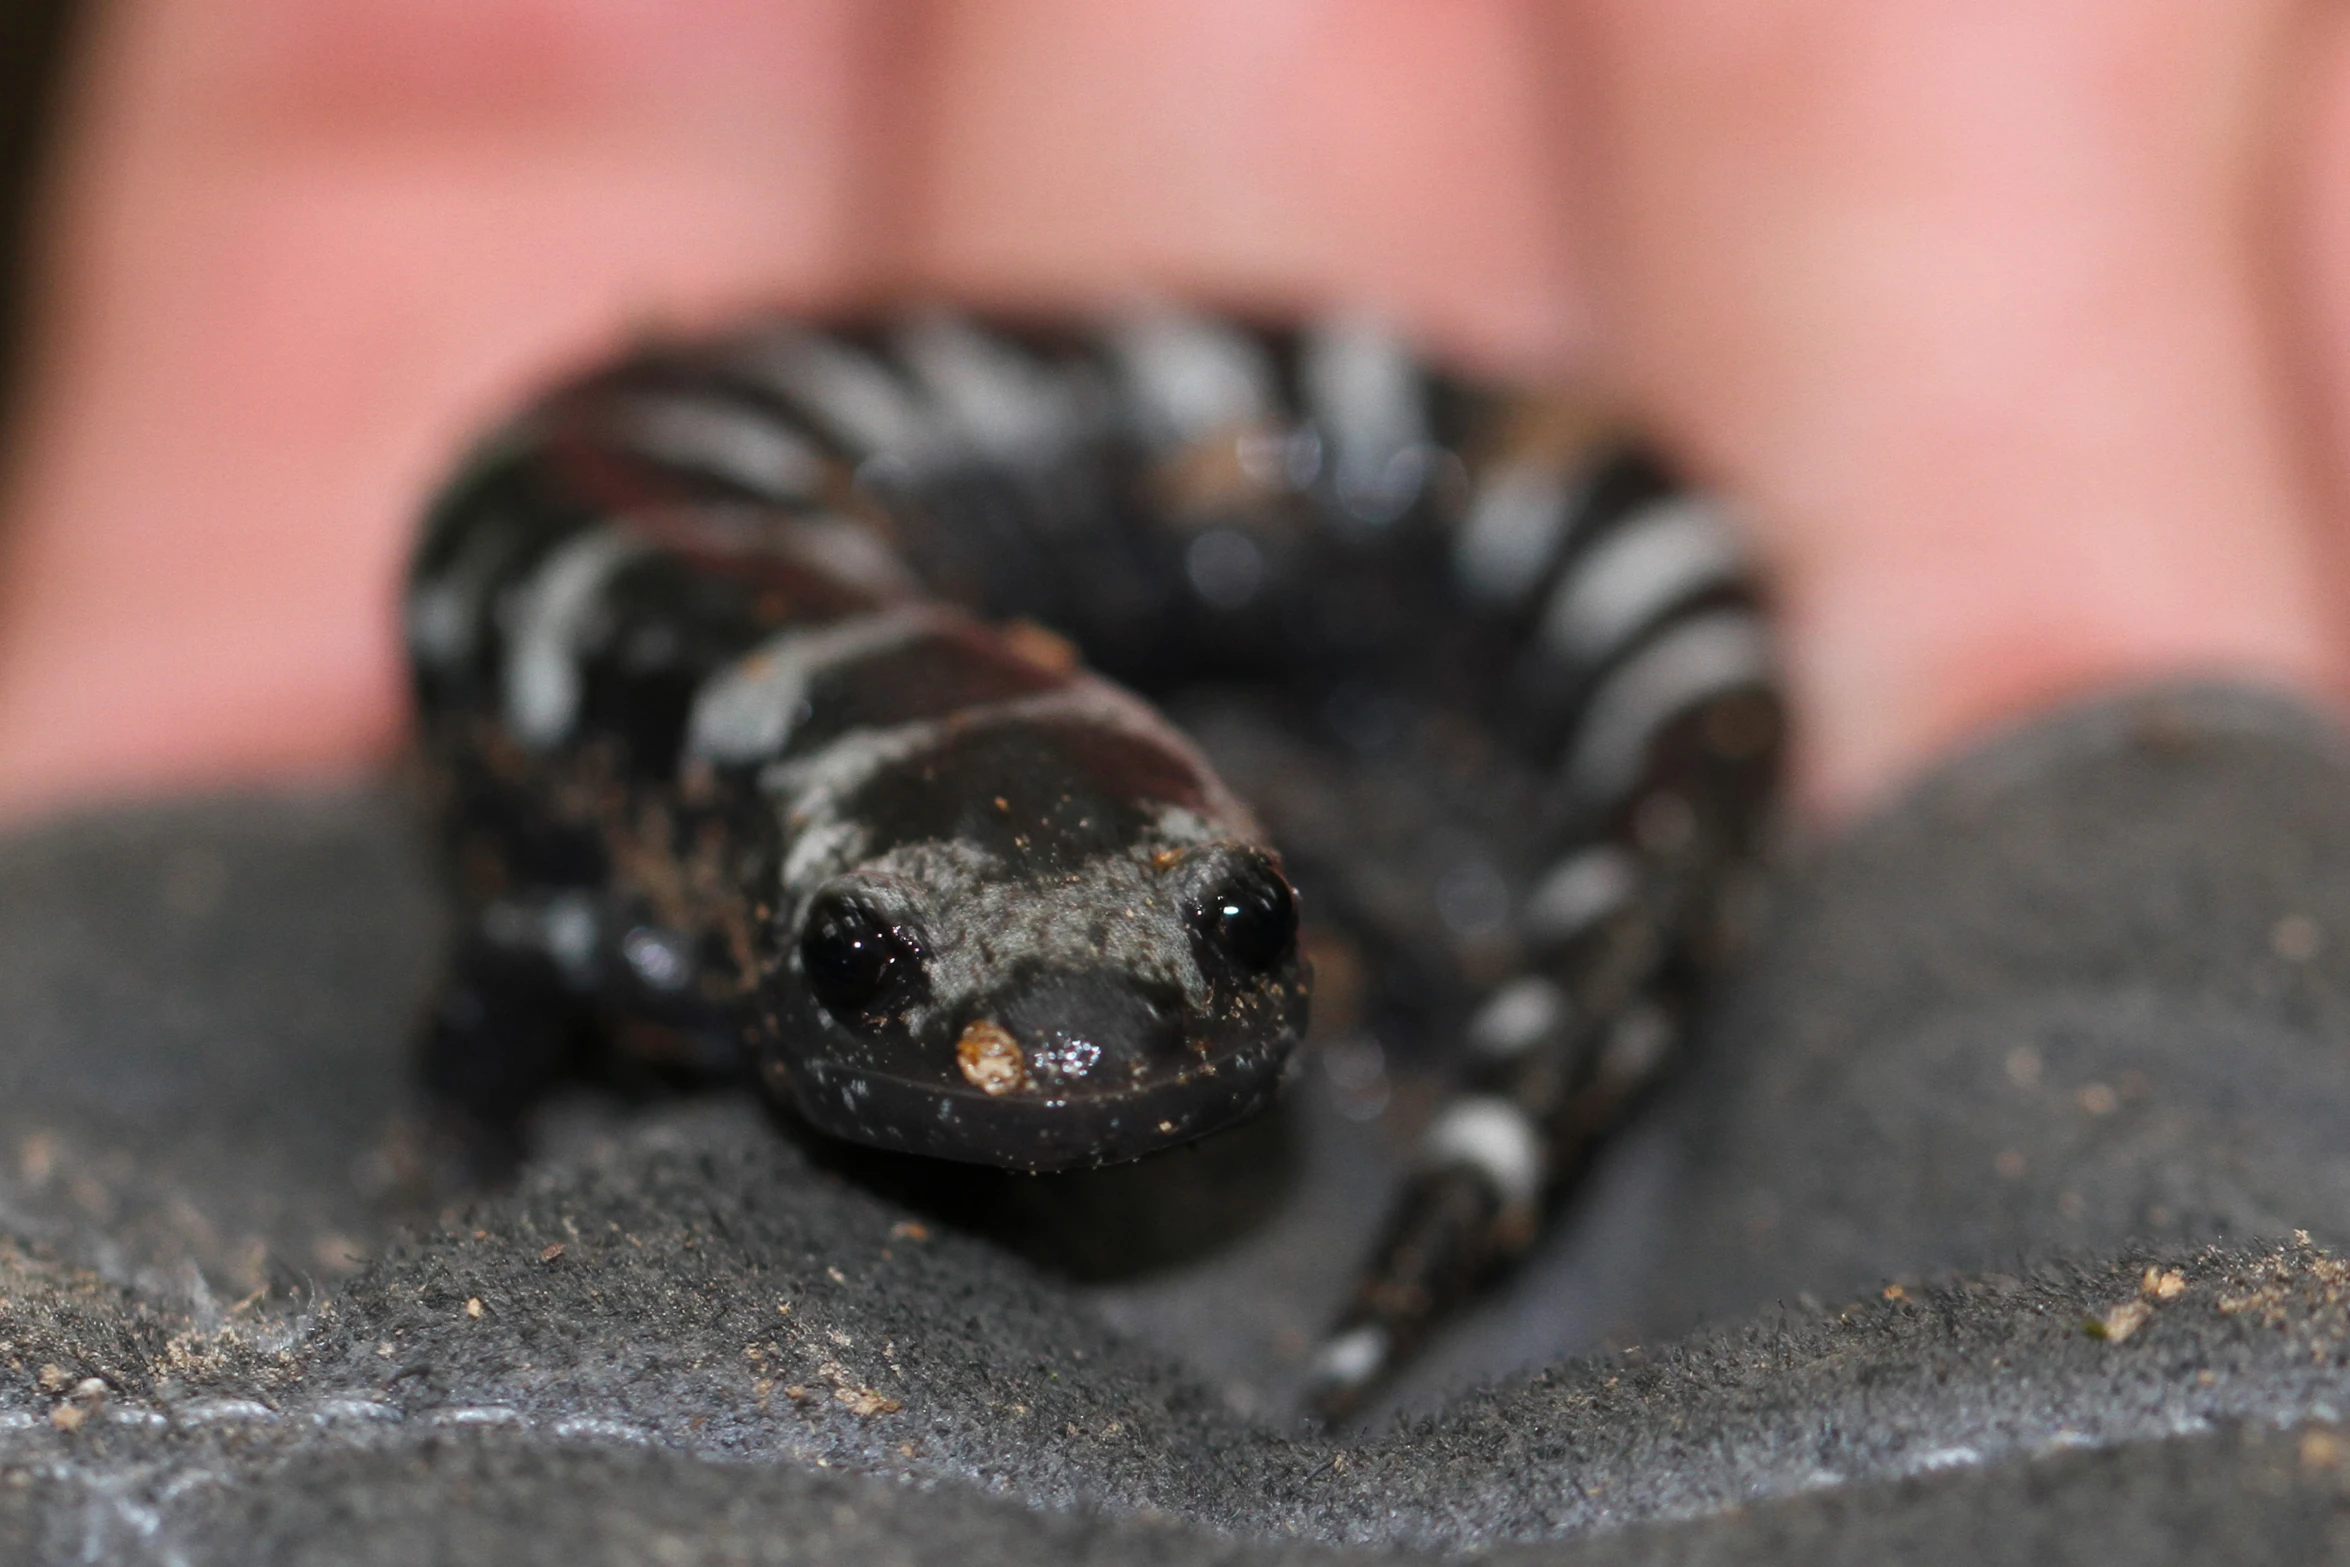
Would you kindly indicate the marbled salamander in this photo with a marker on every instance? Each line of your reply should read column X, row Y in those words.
column 755, row 752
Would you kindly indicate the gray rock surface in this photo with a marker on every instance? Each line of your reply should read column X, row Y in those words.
column 2114, row 948
column 2088, row 984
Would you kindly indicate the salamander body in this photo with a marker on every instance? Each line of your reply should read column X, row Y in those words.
column 788, row 700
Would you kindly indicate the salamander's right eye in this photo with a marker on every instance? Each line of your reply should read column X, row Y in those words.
column 847, row 952
column 1250, row 915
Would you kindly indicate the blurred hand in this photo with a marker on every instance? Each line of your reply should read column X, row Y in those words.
column 2015, row 328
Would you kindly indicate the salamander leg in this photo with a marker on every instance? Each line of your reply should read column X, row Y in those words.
column 508, row 1026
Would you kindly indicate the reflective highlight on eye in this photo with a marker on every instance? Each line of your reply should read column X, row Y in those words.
column 847, row 953
column 1252, row 917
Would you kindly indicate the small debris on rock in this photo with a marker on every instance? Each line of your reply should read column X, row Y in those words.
column 1895, row 1292
column 553, row 1253
column 2271, row 1289
column 2163, row 1284
column 2119, row 1323
column 54, row 1379
column 87, row 1397
column 473, row 1308
column 865, row 1402
column 908, row 1230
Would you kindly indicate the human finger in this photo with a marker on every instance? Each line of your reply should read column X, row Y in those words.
column 1389, row 154
column 296, row 252
column 1970, row 306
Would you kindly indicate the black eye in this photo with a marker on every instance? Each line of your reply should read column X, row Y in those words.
column 847, row 952
column 1250, row 914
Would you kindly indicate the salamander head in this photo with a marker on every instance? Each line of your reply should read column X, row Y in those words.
column 1046, row 950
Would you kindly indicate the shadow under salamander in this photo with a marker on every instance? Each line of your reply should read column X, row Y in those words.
column 1118, row 1222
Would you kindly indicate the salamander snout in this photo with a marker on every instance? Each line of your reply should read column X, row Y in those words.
column 1073, row 1032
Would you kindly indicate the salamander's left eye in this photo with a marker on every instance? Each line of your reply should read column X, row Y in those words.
column 847, row 952
column 1250, row 914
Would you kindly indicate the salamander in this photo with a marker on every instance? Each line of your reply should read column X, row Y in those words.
column 794, row 701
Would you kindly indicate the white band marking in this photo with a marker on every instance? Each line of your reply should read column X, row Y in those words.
column 712, row 436
column 1518, row 1017
column 550, row 615
column 1188, row 377
column 1351, row 1359
column 1362, row 389
column 991, row 393
column 1514, row 526
column 1578, row 892
column 1707, row 656
column 746, row 712
column 1662, row 555
column 1493, row 1137
column 845, row 390
column 813, row 790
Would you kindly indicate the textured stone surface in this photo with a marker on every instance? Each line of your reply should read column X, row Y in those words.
column 2090, row 983
column 2113, row 949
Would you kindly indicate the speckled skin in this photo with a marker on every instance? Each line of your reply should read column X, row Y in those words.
column 755, row 751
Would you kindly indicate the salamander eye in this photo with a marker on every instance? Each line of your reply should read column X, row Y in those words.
column 847, row 952
column 1249, row 914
